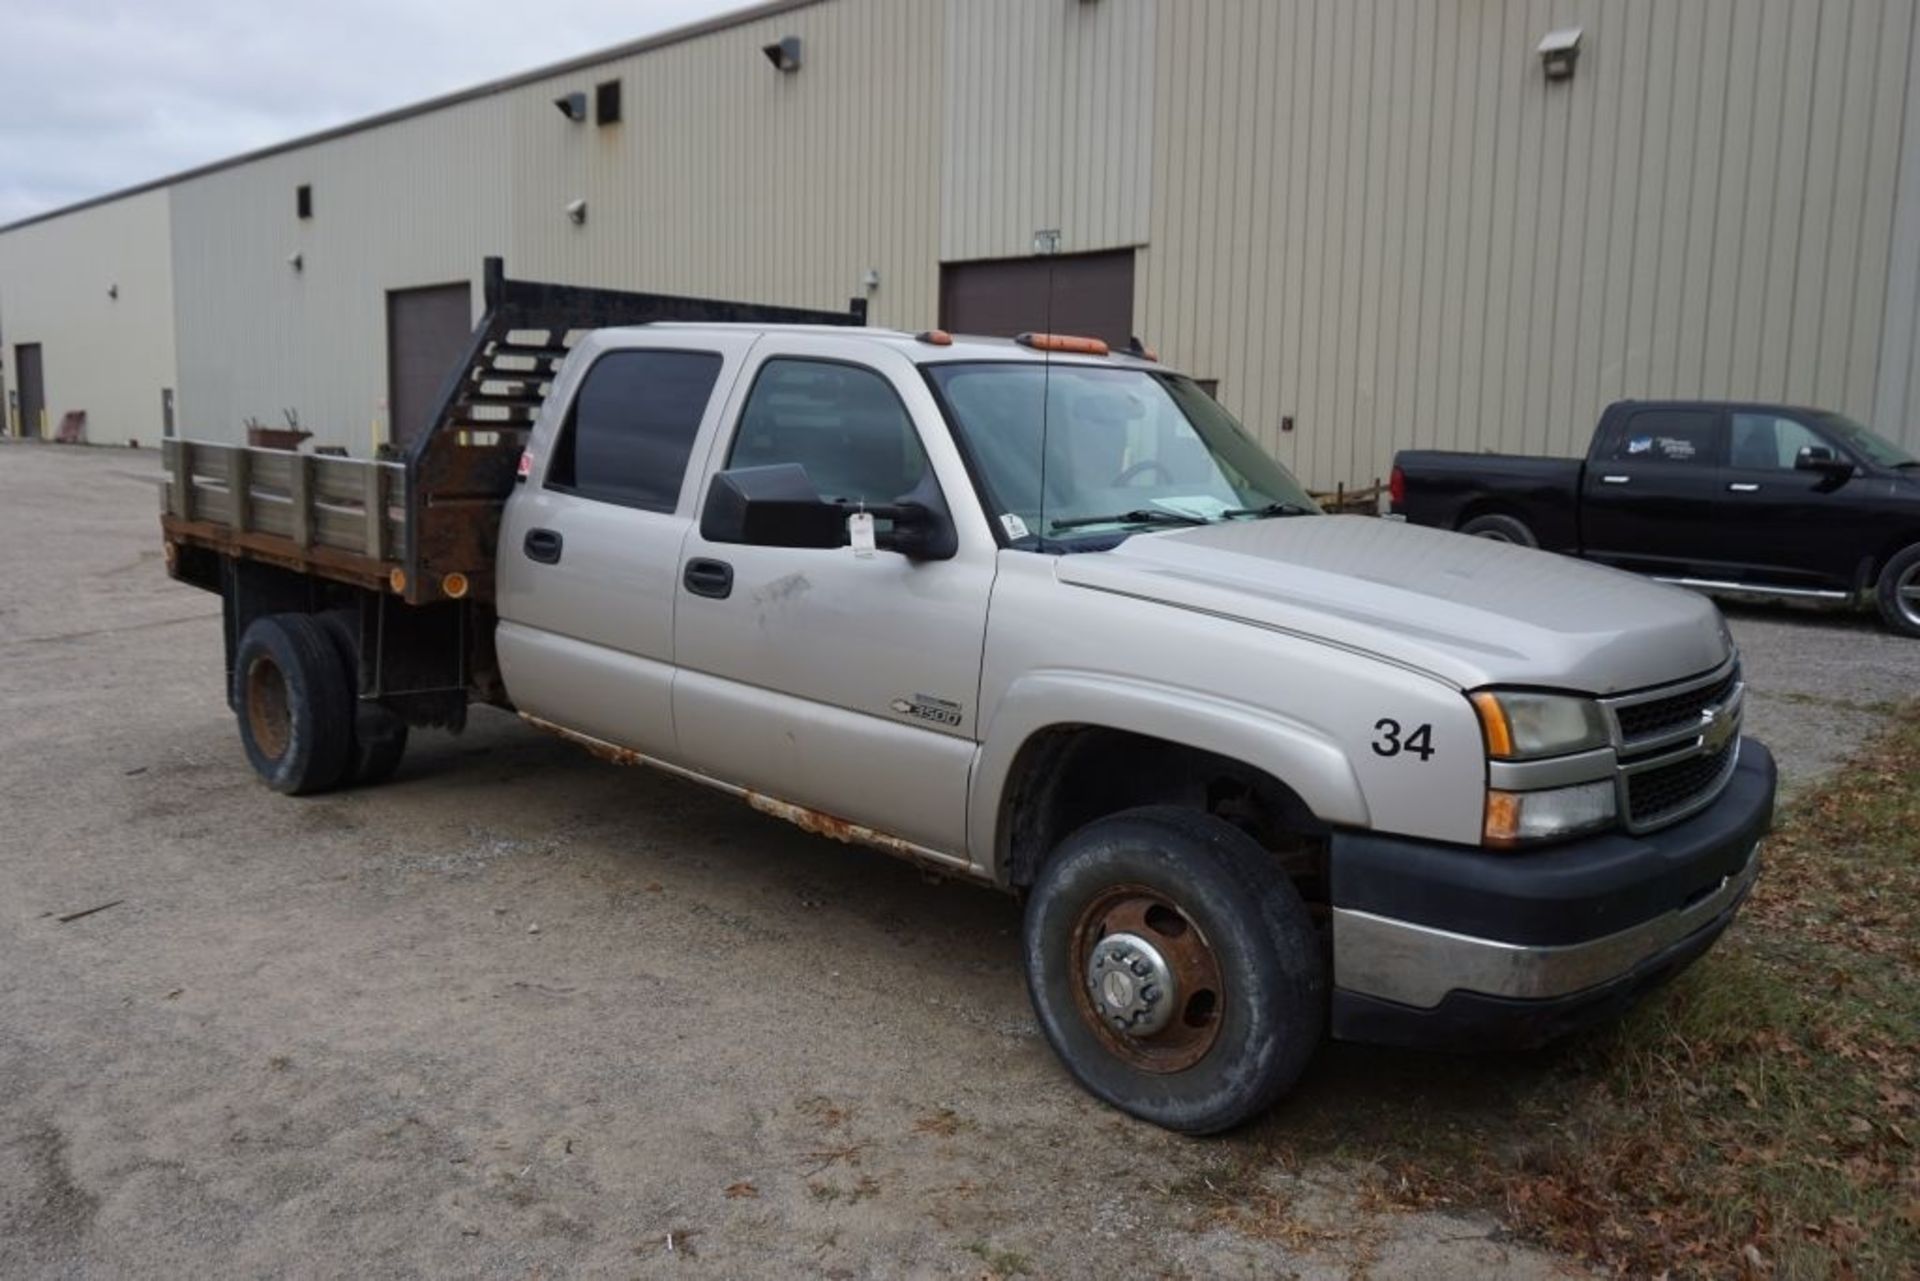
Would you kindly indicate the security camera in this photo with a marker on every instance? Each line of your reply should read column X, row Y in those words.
column 577, row 211
column 1558, row 52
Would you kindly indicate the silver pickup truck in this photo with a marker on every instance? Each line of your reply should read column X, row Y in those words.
column 1044, row 616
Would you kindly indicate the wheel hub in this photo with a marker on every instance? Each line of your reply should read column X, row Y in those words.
column 1906, row 594
column 1132, row 985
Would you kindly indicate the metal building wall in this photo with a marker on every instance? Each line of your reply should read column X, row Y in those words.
column 1379, row 217
column 110, row 356
column 727, row 177
column 1049, row 125
column 416, row 202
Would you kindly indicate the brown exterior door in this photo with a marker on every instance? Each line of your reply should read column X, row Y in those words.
column 33, row 389
column 427, row 333
column 1090, row 294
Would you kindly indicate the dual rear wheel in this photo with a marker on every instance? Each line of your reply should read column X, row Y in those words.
column 302, row 724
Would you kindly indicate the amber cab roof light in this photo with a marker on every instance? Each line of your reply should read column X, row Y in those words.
column 1063, row 342
column 935, row 337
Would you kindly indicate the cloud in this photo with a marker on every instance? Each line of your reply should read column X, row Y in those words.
column 98, row 95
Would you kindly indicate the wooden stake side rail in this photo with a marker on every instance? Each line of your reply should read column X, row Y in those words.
column 342, row 518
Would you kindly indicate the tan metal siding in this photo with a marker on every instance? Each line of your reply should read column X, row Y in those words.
column 414, row 203
column 108, row 356
column 1897, row 402
column 1433, row 245
column 1048, row 125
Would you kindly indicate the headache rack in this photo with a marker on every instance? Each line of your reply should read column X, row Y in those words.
column 423, row 529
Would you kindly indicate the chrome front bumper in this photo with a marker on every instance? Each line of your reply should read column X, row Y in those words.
column 1418, row 965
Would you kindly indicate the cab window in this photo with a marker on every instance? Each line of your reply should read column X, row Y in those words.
column 1686, row 436
column 843, row 423
column 631, row 427
column 1766, row 441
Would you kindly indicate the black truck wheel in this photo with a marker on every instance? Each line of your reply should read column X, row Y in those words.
column 379, row 736
column 1898, row 592
column 1174, row 968
column 295, row 706
column 1501, row 529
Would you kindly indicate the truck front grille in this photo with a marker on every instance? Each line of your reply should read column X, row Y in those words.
column 1677, row 746
column 1664, row 791
column 1662, row 714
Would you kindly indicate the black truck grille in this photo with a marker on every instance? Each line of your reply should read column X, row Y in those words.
column 1646, row 720
column 1668, row 789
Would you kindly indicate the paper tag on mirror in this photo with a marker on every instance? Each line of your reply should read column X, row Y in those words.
column 860, row 533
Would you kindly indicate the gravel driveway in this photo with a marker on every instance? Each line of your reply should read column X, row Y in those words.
column 524, row 1013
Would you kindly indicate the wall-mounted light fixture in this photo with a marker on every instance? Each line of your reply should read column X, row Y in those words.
column 870, row 279
column 1046, row 241
column 576, row 211
column 113, row 292
column 784, row 53
column 572, row 105
column 1559, row 50
column 297, row 261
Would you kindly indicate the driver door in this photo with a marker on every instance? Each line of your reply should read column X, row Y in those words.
column 835, row 680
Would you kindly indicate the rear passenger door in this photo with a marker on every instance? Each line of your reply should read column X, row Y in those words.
column 589, row 553
column 1648, row 496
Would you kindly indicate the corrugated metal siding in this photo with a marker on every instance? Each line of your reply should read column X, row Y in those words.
column 108, row 356
column 1379, row 217
column 725, row 178
column 415, row 203
column 1897, row 402
column 1048, row 125
column 729, row 178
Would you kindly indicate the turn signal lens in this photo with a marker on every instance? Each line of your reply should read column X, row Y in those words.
column 1520, row 818
column 1493, row 724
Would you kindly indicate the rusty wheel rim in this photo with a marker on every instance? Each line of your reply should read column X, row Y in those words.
column 267, row 716
column 1199, row 991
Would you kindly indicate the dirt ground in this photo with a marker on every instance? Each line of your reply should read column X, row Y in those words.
column 522, row 1013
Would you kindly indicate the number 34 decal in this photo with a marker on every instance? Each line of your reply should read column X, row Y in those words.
column 1391, row 742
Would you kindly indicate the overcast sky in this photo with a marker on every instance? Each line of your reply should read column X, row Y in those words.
column 96, row 95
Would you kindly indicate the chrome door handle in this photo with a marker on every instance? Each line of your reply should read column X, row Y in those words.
column 1615, row 480
column 1742, row 487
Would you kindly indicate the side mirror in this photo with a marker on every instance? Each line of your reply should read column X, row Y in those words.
column 1821, row 458
column 771, row 507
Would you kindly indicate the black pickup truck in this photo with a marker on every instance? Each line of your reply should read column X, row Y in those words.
column 1740, row 499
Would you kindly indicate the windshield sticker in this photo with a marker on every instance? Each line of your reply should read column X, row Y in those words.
column 1015, row 527
column 1640, row 444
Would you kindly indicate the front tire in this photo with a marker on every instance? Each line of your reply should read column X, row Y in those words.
column 293, row 703
column 1898, row 592
column 1501, row 529
column 1174, row 968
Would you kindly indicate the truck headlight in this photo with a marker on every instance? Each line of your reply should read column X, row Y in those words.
column 1521, row 726
column 1520, row 818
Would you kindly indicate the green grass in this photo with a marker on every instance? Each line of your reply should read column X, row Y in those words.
column 1757, row 1116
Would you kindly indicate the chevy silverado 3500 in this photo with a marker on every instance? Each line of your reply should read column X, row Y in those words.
column 1032, row 613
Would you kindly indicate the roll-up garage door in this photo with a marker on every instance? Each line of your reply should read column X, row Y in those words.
column 1089, row 294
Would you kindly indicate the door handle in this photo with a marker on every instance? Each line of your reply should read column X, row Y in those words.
column 1744, row 487
column 1615, row 480
column 709, row 578
column 543, row 545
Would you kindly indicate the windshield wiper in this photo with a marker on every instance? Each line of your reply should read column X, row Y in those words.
column 1271, row 509
column 1138, row 516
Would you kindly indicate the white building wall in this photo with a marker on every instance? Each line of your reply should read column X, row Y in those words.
column 110, row 356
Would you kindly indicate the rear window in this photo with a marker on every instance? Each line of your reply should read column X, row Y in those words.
column 631, row 428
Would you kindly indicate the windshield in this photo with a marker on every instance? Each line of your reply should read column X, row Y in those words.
column 1125, row 450
column 1865, row 442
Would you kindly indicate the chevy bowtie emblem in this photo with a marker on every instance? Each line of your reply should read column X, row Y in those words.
column 1716, row 727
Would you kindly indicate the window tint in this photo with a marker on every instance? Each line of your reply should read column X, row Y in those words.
column 842, row 423
column 1667, row 436
column 1764, row 441
column 632, row 426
